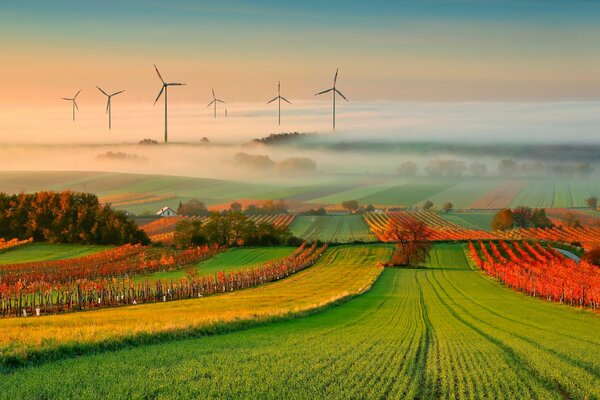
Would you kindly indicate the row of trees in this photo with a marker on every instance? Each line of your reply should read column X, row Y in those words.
column 520, row 217
column 508, row 167
column 66, row 217
column 197, row 208
column 231, row 229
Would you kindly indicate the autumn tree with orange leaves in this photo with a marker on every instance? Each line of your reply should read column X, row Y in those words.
column 412, row 240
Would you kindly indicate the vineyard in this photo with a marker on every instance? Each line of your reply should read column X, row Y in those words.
column 440, row 228
column 341, row 272
column 442, row 331
column 539, row 271
column 89, row 282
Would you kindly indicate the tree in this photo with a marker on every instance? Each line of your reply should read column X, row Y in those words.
column 508, row 167
column 408, row 168
column 189, row 231
column 235, row 207
column 351, row 205
column 412, row 242
column 193, row 207
column 447, row 207
column 592, row 256
column 539, row 219
column 571, row 221
column 503, row 220
column 522, row 216
column 592, row 202
column 428, row 205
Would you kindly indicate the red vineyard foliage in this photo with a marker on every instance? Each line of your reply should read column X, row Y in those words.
column 12, row 243
column 37, row 298
column 380, row 225
column 539, row 271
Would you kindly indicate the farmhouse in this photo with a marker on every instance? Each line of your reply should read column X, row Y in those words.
column 166, row 212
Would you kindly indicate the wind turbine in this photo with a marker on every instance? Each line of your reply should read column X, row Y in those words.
column 165, row 88
column 279, row 98
column 215, row 101
column 74, row 103
column 334, row 90
column 108, row 108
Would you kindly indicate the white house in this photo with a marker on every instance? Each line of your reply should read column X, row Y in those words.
column 166, row 212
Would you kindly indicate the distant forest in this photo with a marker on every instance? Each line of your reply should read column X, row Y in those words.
column 66, row 217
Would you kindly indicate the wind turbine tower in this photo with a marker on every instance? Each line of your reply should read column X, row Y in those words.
column 334, row 91
column 108, row 105
column 74, row 101
column 214, row 102
column 165, row 88
column 279, row 98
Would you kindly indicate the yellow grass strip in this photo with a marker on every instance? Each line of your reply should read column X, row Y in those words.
column 341, row 272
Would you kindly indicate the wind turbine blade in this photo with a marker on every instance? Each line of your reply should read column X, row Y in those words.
column 64, row 98
column 220, row 101
column 77, row 94
column 107, row 105
column 335, row 78
column 159, row 75
column 324, row 91
column 74, row 102
column 340, row 93
column 273, row 100
column 175, row 84
column 116, row 93
column 106, row 94
column 159, row 94
column 210, row 104
column 286, row 100
column 213, row 93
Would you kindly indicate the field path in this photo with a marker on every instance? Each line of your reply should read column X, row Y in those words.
column 446, row 331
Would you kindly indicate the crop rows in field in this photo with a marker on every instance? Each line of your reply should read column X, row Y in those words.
column 442, row 332
column 540, row 271
column 500, row 196
column 342, row 271
column 332, row 228
column 562, row 217
column 587, row 237
column 440, row 229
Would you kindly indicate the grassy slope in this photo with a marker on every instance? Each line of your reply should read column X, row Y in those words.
column 331, row 228
column 231, row 260
column 47, row 251
column 446, row 331
column 408, row 194
column 341, row 272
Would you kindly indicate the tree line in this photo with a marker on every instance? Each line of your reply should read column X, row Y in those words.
column 231, row 228
column 66, row 217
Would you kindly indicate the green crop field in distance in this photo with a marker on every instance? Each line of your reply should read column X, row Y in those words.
column 38, row 251
column 231, row 260
column 442, row 331
column 332, row 228
column 473, row 220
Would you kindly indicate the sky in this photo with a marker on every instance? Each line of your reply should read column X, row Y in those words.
column 395, row 53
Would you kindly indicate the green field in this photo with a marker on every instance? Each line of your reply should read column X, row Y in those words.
column 231, row 260
column 47, row 252
column 332, row 228
column 443, row 331
column 472, row 220
column 556, row 194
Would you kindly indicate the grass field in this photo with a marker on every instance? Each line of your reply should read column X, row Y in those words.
column 445, row 331
column 343, row 271
column 472, row 220
column 47, row 252
column 332, row 228
column 231, row 260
